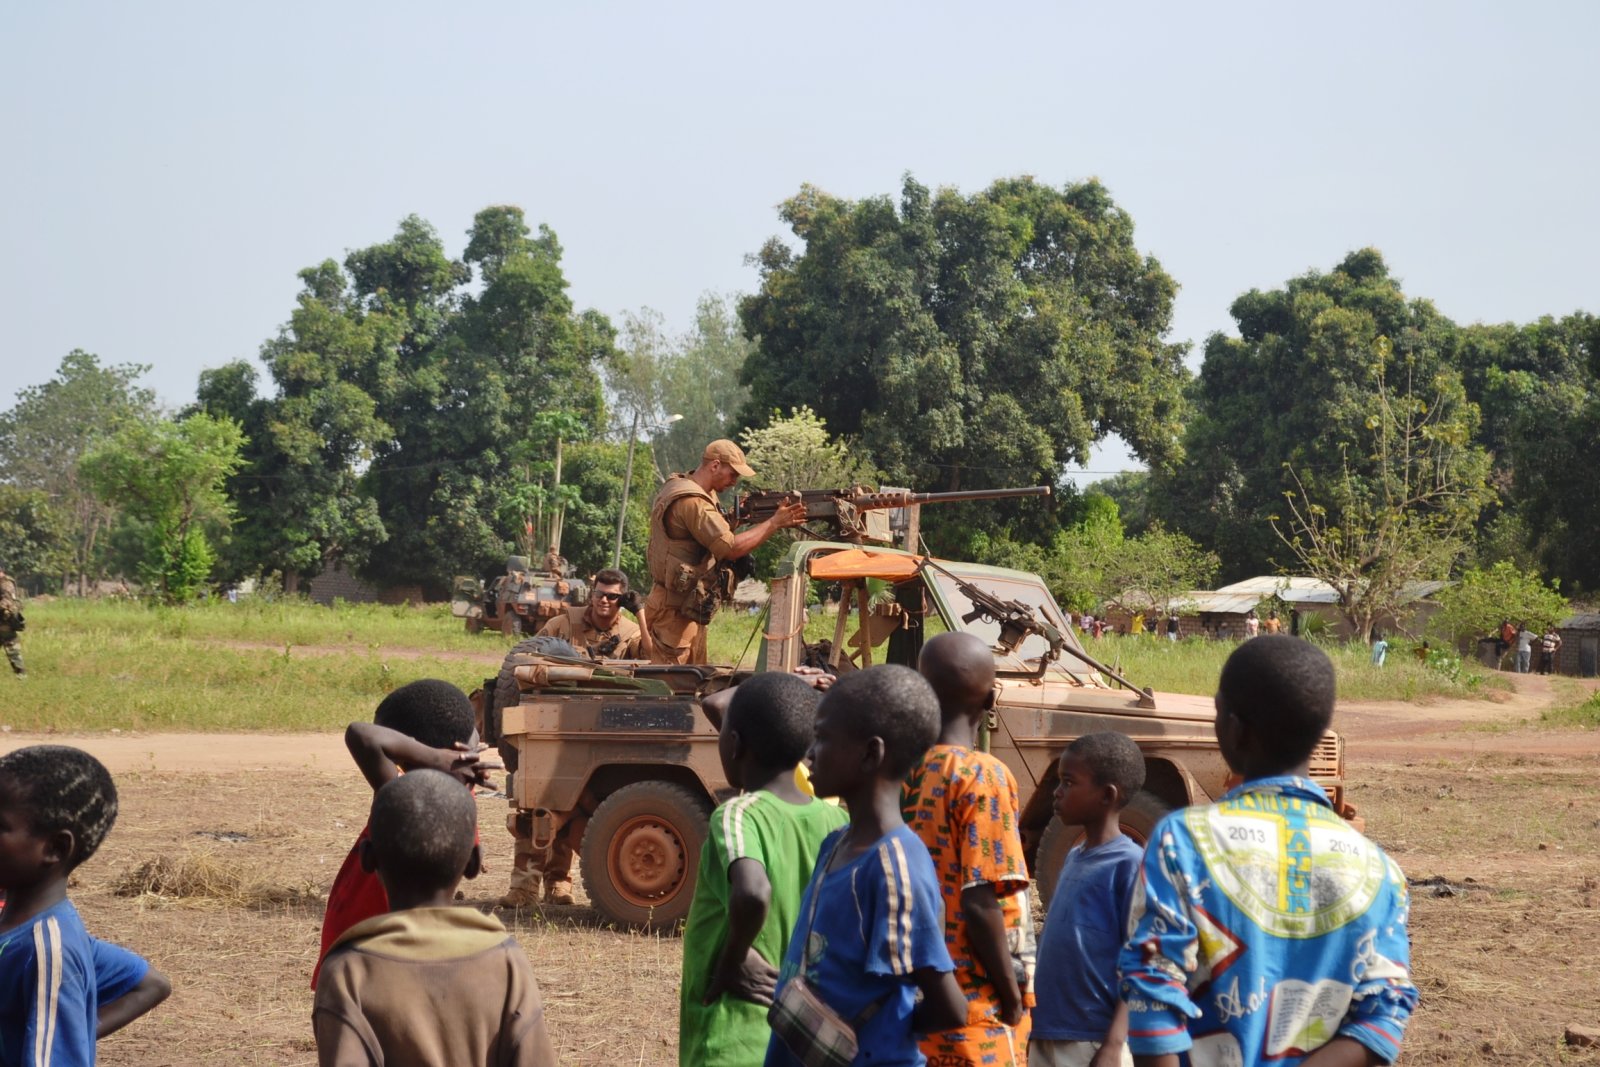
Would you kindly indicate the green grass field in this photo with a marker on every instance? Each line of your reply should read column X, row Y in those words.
column 290, row 665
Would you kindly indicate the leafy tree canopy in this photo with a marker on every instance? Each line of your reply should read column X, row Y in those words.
column 49, row 430
column 1485, row 598
column 171, row 476
column 968, row 341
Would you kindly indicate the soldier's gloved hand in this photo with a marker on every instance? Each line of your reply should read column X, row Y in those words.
column 630, row 601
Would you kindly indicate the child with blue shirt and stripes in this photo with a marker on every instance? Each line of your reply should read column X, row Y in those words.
column 56, row 806
column 870, row 935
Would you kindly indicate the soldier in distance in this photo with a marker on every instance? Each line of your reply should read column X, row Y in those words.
column 11, row 622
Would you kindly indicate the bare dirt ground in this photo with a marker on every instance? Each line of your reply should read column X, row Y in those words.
column 1494, row 819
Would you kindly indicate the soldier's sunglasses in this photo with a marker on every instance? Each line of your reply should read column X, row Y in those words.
column 610, row 597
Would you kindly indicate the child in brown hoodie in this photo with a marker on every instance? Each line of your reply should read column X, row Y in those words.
column 429, row 983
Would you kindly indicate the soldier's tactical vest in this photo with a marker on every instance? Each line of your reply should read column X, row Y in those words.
column 680, row 565
column 579, row 634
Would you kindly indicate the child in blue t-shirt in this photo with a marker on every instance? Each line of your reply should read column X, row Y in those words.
column 56, row 805
column 870, row 933
column 1080, row 1020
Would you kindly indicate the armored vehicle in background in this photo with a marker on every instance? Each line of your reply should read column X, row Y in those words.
column 634, row 741
column 519, row 601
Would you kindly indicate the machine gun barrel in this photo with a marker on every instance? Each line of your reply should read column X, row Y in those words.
column 843, row 510
column 875, row 501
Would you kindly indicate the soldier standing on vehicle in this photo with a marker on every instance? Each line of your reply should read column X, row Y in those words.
column 688, row 538
column 11, row 622
column 598, row 627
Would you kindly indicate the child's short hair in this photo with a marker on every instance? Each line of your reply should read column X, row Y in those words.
column 1283, row 688
column 433, row 712
column 775, row 715
column 423, row 828
column 894, row 703
column 62, row 788
column 1113, row 759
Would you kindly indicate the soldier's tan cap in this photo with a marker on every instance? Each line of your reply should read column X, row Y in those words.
column 730, row 454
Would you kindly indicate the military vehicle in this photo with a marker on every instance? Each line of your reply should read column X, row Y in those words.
column 519, row 601
column 633, row 740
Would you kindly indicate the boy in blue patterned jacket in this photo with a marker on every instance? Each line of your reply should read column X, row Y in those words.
column 1265, row 929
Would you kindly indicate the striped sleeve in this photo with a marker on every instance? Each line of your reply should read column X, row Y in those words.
column 738, row 831
column 61, row 1005
column 904, row 908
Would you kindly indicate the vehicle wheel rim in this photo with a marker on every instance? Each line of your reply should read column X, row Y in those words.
column 646, row 861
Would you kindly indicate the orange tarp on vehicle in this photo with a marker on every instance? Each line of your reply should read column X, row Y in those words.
column 861, row 563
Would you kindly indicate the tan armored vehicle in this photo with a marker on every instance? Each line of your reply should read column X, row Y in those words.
column 632, row 739
column 519, row 601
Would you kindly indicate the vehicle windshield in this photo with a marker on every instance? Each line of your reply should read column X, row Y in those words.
column 1031, row 593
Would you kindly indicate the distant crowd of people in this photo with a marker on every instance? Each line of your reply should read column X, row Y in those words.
column 1526, row 642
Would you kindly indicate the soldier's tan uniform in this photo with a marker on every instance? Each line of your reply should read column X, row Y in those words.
column 10, row 614
column 688, row 536
column 623, row 641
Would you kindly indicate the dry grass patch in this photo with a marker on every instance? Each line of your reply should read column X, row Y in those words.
column 202, row 877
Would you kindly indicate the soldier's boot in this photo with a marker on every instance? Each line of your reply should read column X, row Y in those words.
column 527, row 866
column 558, row 873
column 14, row 654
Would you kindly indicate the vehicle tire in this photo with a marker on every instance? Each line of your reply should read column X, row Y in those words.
column 474, row 625
column 641, row 852
column 510, row 622
column 1139, row 819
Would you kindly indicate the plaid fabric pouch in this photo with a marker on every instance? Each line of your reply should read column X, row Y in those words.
column 809, row 1028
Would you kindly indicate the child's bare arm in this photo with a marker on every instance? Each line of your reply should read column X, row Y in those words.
column 1109, row 1054
column 943, row 1006
column 379, row 751
column 740, row 971
column 716, row 705
column 152, row 989
column 986, row 930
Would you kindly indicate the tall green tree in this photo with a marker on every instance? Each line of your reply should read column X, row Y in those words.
column 968, row 340
column 1402, row 507
column 1540, row 399
column 171, row 476
column 35, row 538
column 47, row 432
column 1284, row 406
column 475, row 370
column 299, row 492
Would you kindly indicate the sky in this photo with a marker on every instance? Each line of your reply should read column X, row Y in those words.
column 171, row 166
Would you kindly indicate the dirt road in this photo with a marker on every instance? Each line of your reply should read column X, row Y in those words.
column 1372, row 729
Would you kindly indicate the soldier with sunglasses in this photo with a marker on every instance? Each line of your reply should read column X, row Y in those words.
column 598, row 627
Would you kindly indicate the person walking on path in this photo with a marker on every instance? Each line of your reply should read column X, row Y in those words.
column 1524, row 649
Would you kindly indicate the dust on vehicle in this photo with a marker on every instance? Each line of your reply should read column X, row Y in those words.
column 634, row 735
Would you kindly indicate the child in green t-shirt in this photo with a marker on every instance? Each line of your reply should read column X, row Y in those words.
column 753, row 870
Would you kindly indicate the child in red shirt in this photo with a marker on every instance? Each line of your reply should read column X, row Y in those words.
column 430, row 724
